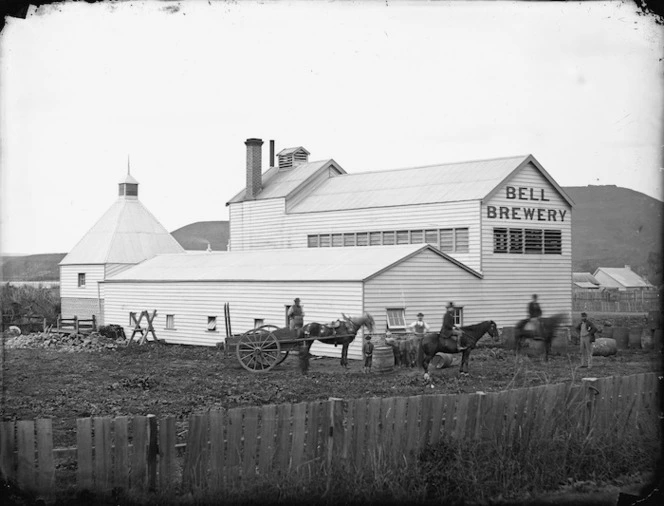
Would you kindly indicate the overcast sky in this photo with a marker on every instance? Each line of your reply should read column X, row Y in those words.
column 179, row 87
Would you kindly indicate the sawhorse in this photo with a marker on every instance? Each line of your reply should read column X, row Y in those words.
column 144, row 332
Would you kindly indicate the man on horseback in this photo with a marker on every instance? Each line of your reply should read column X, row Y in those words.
column 534, row 313
column 450, row 330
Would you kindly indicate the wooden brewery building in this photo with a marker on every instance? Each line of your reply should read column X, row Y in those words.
column 484, row 234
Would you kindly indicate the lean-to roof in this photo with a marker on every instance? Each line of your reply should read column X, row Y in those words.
column 293, row 264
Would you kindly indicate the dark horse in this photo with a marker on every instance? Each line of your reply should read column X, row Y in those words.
column 340, row 332
column 548, row 328
column 434, row 343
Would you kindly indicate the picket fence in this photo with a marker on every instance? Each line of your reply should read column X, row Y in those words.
column 616, row 302
column 227, row 449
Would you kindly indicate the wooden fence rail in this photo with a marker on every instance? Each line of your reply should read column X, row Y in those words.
column 227, row 449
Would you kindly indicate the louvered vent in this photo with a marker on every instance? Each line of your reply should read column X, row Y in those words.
column 289, row 158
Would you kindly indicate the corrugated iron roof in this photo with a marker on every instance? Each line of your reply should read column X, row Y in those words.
column 586, row 284
column 280, row 183
column 584, row 277
column 295, row 264
column 626, row 277
column 418, row 185
column 126, row 234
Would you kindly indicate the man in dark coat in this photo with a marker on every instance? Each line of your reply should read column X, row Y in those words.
column 534, row 313
column 450, row 330
column 587, row 331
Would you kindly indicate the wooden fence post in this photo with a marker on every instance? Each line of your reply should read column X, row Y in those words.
column 590, row 392
column 153, row 449
column 335, row 434
column 76, row 324
column 94, row 323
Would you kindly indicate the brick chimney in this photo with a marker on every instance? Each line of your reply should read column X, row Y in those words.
column 254, row 169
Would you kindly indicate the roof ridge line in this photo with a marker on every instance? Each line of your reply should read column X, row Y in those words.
column 520, row 157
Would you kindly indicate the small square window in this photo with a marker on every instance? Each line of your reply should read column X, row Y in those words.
column 403, row 237
column 431, row 237
column 458, row 316
column 212, row 324
column 447, row 239
column 81, row 279
column 349, row 239
column 258, row 322
column 324, row 241
column 416, row 236
column 500, row 240
column 388, row 238
column 396, row 318
column 170, row 321
column 312, row 241
column 375, row 239
column 461, row 240
column 362, row 238
column 337, row 240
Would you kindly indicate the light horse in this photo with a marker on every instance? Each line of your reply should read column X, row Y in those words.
column 548, row 328
column 340, row 332
column 435, row 343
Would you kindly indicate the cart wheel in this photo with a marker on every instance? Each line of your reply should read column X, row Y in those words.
column 273, row 328
column 258, row 350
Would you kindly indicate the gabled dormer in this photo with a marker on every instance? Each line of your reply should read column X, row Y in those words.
column 290, row 157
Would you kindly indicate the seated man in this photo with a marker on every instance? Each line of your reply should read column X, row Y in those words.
column 450, row 330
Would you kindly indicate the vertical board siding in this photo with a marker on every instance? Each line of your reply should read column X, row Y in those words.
column 193, row 302
column 227, row 449
column 515, row 277
column 264, row 224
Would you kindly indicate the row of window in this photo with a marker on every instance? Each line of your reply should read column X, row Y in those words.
column 396, row 320
column 445, row 239
column 527, row 241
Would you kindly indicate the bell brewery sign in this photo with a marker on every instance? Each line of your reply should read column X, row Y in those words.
column 522, row 212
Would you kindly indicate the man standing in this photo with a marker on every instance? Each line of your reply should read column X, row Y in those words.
column 586, row 330
column 419, row 327
column 296, row 315
column 450, row 330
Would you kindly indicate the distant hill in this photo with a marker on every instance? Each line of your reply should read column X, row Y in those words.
column 614, row 227
column 43, row 267
column 197, row 236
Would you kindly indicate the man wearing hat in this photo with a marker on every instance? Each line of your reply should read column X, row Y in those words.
column 586, row 330
column 450, row 330
column 296, row 315
column 418, row 327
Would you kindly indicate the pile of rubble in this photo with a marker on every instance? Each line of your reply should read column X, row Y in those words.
column 71, row 343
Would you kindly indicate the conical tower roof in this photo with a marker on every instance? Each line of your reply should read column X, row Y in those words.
column 126, row 234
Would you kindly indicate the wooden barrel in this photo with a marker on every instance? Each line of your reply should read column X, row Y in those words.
column 507, row 337
column 646, row 339
column 560, row 341
column 383, row 359
column 607, row 331
column 621, row 335
column 534, row 347
column 634, row 340
column 604, row 347
column 441, row 360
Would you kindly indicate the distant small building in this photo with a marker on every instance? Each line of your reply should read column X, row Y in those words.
column 621, row 278
column 584, row 281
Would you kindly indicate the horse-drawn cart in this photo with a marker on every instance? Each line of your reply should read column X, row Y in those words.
column 262, row 348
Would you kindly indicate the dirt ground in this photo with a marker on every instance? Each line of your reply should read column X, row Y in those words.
column 179, row 380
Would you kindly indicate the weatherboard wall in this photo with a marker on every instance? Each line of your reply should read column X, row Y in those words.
column 512, row 277
column 192, row 302
column 264, row 224
column 425, row 283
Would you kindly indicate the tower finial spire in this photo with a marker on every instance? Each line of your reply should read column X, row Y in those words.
column 128, row 166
